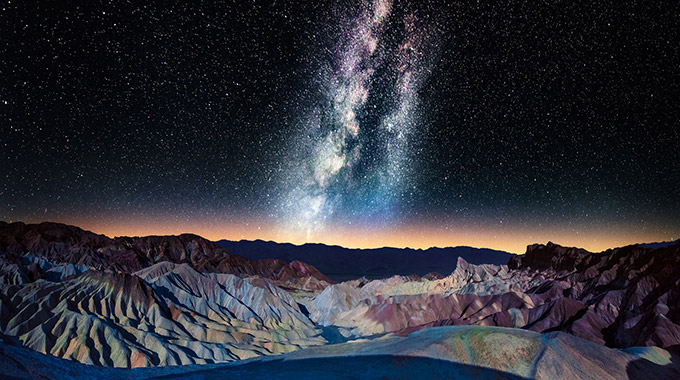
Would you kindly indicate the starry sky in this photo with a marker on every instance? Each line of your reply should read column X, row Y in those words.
column 363, row 123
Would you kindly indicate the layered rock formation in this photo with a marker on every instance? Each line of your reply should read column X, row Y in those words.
column 629, row 296
column 167, row 314
column 62, row 244
column 620, row 298
column 28, row 268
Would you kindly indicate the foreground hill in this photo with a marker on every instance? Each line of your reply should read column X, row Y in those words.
column 341, row 264
column 64, row 244
column 463, row 352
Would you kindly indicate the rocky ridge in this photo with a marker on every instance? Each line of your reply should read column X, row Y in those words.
column 63, row 244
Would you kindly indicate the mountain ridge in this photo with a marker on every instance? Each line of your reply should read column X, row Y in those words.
column 341, row 264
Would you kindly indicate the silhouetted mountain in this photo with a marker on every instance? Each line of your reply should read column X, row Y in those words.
column 661, row 244
column 341, row 264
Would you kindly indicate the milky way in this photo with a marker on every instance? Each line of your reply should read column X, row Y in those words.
column 337, row 131
column 412, row 66
column 327, row 183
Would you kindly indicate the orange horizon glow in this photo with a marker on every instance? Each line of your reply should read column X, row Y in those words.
column 417, row 236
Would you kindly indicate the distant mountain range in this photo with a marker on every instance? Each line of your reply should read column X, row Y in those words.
column 341, row 264
column 662, row 244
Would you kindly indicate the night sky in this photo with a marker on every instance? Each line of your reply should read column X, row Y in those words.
column 360, row 123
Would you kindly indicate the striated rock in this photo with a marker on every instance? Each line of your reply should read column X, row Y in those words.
column 12, row 273
column 333, row 301
column 433, row 276
column 167, row 314
column 293, row 275
column 28, row 268
column 631, row 295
